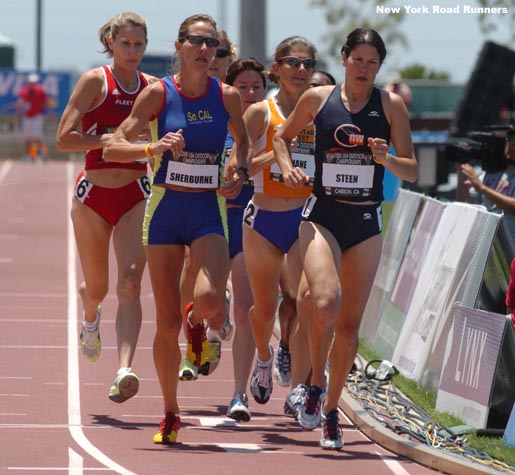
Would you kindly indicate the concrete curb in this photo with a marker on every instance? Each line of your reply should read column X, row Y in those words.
column 427, row 456
column 423, row 454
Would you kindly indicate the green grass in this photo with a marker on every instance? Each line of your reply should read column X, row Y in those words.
column 426, row 400
column 387, row 211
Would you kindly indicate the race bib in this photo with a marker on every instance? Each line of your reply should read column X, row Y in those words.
column 302, row 156
column 194, row 170
column 82, row 189
column 348, row 174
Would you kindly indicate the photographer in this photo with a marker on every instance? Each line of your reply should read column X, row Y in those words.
column 493, row 189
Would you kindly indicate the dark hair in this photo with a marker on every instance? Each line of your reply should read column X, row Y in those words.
column 365, row 36
column 241, row 65
column 329, row 76
column 200, row 17
column 284, row 48
column 112, row 27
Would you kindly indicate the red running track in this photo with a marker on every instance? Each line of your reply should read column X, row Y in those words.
column 55, row 416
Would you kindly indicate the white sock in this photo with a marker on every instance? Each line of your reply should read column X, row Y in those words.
column 212, row 336
column 264, row 363
column 90, row 325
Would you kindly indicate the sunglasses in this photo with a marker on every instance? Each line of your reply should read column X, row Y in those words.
column 295, row 62
column 222, row 53
column 197, row 40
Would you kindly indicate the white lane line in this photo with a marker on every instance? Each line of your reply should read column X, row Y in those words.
column 60, row 295
column 395, row 467
column 75, row 463
column 31, row 347
column 29, row 295
column 33, row 426
column 74, row 416
column 241, row 448
column 216, row 422
column 52, row 469
column 15, row 377
column 247, row 448
column 4, row 170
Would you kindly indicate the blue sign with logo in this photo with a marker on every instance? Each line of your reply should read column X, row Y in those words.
column 57, row 85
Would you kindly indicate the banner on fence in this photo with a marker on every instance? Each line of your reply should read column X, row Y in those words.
column 470, row 362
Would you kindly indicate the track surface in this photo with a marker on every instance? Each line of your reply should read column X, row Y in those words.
column 55, row 415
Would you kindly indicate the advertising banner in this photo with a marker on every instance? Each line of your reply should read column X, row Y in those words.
column 394, row 314
column 395, row 241
column 451, row 262
column 57, row 85
column 470, row 361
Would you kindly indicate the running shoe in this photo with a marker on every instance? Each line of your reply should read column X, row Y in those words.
column 239, row 408
column 124, row 387
column 90, row 343
column 310, row 412
column 213, row 354
column 226, row 332
column 261, row 384
column 168, row 429
column 188, row 371
column 294, row 400
column 282, row 368
column 331, row 438
column 196, row 347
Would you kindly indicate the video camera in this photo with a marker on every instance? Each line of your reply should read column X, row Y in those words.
column 484, row 148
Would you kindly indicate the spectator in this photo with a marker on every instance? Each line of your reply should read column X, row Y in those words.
column 398, row 86
column 495, row 190
column 32, row 104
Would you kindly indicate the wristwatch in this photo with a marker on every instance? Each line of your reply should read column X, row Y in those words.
column 245, row 172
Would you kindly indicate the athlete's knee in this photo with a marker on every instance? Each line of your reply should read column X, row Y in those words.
column 168, row 324
column 129, row 286
column 241, row 314
column 263, row 311
column 346, row 330
column 304, row 301
column 210, row 305
column 288, row 307
column 95, row 292
column 326, row 305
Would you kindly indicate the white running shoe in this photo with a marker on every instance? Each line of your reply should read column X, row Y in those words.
column 310, row 413
column 239, row 408
column 282, row 367
column 261, row 384
column 90, row 343
column 295, row 400
column 331, row 438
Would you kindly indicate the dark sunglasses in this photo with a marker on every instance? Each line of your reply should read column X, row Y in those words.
column 197, row 40
column 295, row 62
column 222, row 53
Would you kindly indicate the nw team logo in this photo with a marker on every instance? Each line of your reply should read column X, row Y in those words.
column 373, row 114
column 349, row 136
